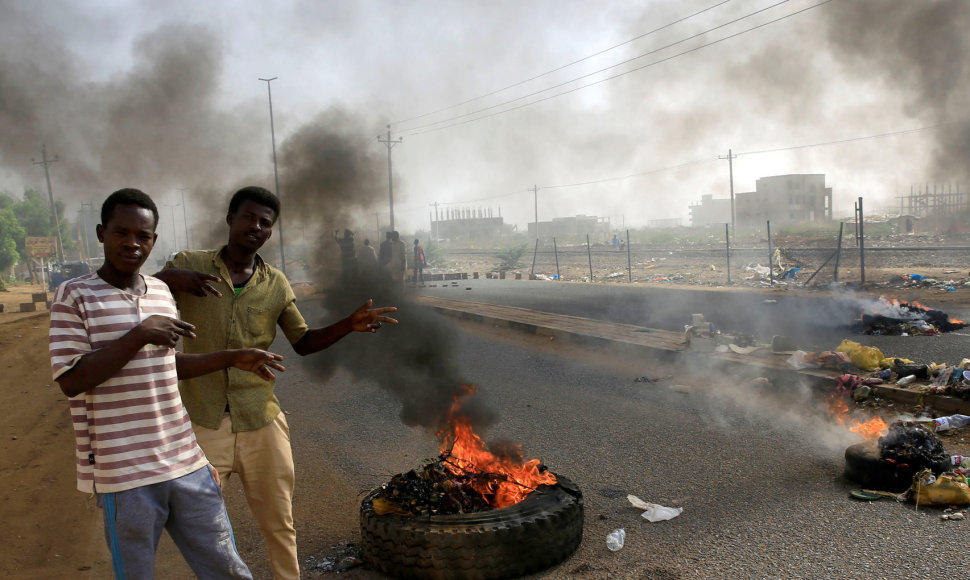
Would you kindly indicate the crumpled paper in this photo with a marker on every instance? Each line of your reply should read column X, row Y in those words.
column 655, row 512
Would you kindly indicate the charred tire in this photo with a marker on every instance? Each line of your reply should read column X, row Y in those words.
column 864, row 464
column 538, row 532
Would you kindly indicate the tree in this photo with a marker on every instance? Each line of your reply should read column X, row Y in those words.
column 510, row 258
column 34, row 215
column 10, row 233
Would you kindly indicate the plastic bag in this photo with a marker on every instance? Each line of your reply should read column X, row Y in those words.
column 797, row 360
column 654, row 512
column 946, row 489
column 865, row 357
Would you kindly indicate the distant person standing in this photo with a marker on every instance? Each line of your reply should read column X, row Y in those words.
column 398, row 265
column 419, row 262
column 348, row 256
column 384, row 254
column 366, row 260
column 616, row 242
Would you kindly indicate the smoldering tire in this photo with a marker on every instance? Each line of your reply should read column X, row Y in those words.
column 542, row 530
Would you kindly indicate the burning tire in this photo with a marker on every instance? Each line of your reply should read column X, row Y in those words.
column 865, row 464
column 542, row 530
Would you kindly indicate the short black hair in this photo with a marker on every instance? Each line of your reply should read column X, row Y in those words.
column 260, row 195
column 127, row 196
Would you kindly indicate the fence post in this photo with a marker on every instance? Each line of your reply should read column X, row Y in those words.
column 629, row 266
column 555, row 250
column 862, row 245
column 771, row 260
column 838, row 253
column 589, row 256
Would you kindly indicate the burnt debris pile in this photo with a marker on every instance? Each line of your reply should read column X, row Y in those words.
column 910, row 445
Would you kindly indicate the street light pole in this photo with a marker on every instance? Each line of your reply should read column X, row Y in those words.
column 276, row 173
column 390, row 181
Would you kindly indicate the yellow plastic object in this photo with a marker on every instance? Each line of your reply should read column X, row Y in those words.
column 865, row 357
column 945, row 489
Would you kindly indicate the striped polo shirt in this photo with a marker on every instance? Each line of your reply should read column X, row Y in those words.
column 132, row 429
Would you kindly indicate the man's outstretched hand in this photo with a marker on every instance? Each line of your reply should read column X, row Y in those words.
column 367, row 319
column 257, row 361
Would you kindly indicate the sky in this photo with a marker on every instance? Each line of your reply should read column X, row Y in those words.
column 621, row 110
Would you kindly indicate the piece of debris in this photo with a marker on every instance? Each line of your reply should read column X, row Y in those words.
column 654, row 512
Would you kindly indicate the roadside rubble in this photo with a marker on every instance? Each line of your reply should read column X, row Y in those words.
column 867, row 366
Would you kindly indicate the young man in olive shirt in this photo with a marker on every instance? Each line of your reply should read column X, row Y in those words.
column 234, row 298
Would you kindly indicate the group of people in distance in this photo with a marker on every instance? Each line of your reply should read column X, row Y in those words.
column 158, row 430
column 391, row 260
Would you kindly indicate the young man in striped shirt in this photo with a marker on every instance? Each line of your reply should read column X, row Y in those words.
column 112, row 345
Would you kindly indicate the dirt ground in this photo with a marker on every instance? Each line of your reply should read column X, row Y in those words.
column 53, row 531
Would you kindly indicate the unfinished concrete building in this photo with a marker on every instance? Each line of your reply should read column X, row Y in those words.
column 781, row 199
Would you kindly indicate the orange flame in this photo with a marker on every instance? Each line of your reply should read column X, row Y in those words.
column 513, row 480
column 870, row 430
column 911, row 305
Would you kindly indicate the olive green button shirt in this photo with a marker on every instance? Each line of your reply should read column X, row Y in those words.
column 246, row 320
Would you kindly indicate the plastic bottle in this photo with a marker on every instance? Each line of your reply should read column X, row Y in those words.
column 615, row 539
column 906, row 380
column 951, row 422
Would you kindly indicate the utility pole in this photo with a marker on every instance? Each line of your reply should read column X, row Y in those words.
column 535, row 194
column 185, row 220
column 730, row 158
column 434, row 230
column 50, row 194
column 175, row 240
column 276, row 173
column 85, row 235
column 390, row 181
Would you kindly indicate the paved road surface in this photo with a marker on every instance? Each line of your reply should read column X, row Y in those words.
column 757, row 473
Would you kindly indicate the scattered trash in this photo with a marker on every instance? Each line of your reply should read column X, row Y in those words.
column 953, row 516
column 961, row 464
column 903, row 381
column 945, row 489
column 615, row 539
column 345, row 556
column 654, row 512
column 781, row 344
column 875, row 495
column 801, row 359
column 951, row 422
column 865, row 357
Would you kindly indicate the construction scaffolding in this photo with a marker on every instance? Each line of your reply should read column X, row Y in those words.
column 942, row 200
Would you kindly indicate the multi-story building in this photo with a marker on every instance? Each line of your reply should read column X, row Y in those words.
column 781, row 199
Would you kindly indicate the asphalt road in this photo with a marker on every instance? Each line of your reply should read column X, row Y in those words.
column 758, row 473
column 813, row 321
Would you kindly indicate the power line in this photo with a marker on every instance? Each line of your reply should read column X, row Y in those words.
column 703, row 160
column 559, row 68
column 893, row 133
column 430, row 127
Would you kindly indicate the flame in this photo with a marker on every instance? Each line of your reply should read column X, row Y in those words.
column 869, row 430
column 511, row 481
column 897, row 307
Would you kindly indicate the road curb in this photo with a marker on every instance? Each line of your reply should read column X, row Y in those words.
column 670, row 346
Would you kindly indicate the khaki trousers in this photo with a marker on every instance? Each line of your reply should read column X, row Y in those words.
column 264, row 461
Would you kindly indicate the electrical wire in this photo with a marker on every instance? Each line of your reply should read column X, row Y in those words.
column 430, row 127
column 559, row 68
